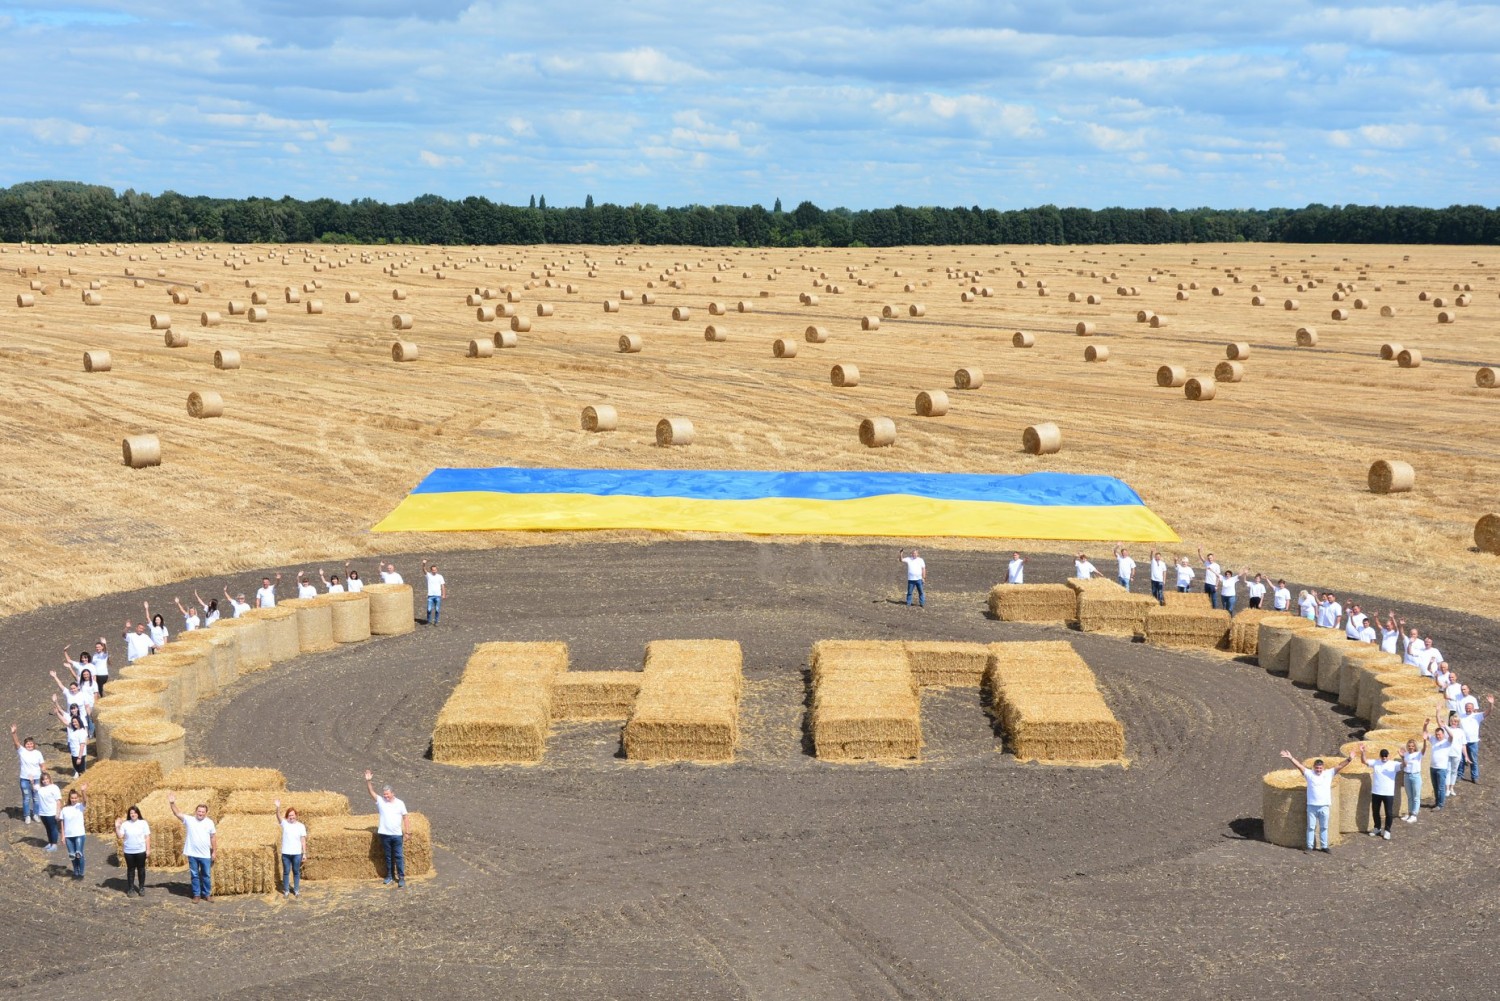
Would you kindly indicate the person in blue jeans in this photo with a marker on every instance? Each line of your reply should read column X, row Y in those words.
column 73, row 829
column 1469, row 721
column 200, row 843
column 916, row 577
column 1319, row 796
column 31, row 772
column 437, row 590
column 394, row 826
column 293, row 849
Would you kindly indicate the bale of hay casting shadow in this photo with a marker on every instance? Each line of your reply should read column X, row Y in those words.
column 1042, row 439
column 1171, row 376
column 293, row 295
column 968, row 377
column 1487, row 533
column 205, row 403
column 877, row 432
column 141, row 450
column 161, row 321
column 916, row 309
column 937, row 662
column 1340, row 314
column 594, row 695
column 258, row 314
column 351, row 617
column 1291, row 305
column 503, row 339
column 1084, row 329
column 401, row 321
column 1274, row 642
column 674, row 431
column 1387, row 311
column 1157, row 321
column 175, row 339
column 1229, row 371
column 308, row 804
column 258, row 299
column 844, row 375
column 611, row 305
column 226, row 359
column 815, row 335
column 1022, row 339
column 629, row 344
column 520, row 324
column 600, row 417
column 484, row 314
column 1389, row 351
column 252, row 645
column 1257, row 300
column 1244, row 630
column 481, row 349
column 1096, row 353
column 784, row 347
column 392, row 609
column 1409, row 358
column 1307, row 337
column 403, row 351
column 1447, row 316
column 1485, row 378
column 99, row 361
column 1391, row 476
column 1302, row 660
column 1331, row 652
column 1203, row 388
column 351, row 297
column 314, row 622
column 932, row 403
column 1106, row 607
column 1033, row 603
column 1284, row 808
column 314, row 306
column 25, row 300
column 209, row 319
column 283, row 632
column 1060, row 727
column 247, row 854
column 348, row 848
column 1237, row 351
column 158, row 741
column 114, row 787
column 1185, row 627
column 871, row 712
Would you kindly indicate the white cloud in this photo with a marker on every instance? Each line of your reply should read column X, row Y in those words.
column 431, row 159
column 338, row 144
column 643, row 65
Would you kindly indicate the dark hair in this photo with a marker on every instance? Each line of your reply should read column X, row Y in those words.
column 1317, row 762
column 83, row 672
column 213, row 604
column 157, row 620
column 76, row 723
column 1385, row 752
column 85, row 658
column 135, row 810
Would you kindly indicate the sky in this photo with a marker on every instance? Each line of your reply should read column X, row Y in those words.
column 858, row 104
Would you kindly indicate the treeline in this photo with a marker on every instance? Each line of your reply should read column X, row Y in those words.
column 69, row 212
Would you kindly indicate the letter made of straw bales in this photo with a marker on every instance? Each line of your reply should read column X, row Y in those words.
column 594, row 695
column 932, row 403
column 877, row 432
column 1106, row 607
column 1302, row 660
column 688, row 705
column 500, row 711
column 1042, row 439
column 351, row 617
column 945, row 663
column 1048, row 705
column 1391, row 476
column 1033, row 603
column 1187, row 627
column 1284, row 808
column 114, row 787
column 141, row 450
column 346, row 847
column 864, row 702
column 167, row 830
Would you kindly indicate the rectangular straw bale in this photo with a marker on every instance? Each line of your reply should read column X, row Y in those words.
column 1187, row 599
column 594, row 695
column 542, row 660
column 1244, row 631
column 1034, row 603
column 722, row 659
column 943, row 663
column 166, row 830
column 307, row 803
column 1182, row 626
column 688, row 704
column 346, row 847
column 860, row 658
column 1106, row 607
column 1048, row 727
column 1045, row 663
column 224, row 780
column 248, row 854
column 865, row 722
column 494, row 720
column 114, row 787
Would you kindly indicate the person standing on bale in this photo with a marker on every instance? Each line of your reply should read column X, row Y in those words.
column 395, row 825
column 437, row 590
column 1319, row 797
column 916, row 577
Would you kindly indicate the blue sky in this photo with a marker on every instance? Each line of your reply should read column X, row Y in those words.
column 858, row 104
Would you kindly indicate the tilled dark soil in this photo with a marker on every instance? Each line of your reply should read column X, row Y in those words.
column 965, row 876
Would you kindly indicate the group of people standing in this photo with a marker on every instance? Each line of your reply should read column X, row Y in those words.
column 1220, row 583
column 63, row 823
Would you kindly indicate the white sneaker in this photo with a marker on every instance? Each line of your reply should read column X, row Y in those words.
column 1412, row 819
column 1386, row 835
column 1374, row 834
column 28, row 820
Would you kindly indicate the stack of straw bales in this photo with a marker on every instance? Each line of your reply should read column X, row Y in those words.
column 114, row 787
column 1274, row 640
column 1187, row 599
column 346, row 847
column 1106, row 607
column 594, row 695
column 1244, row 631
column 688, row 705
column 864, row 702
column 1034, row 603
column 1181, row 626
column 1048, row 704
column 501, row 709
column 248, row 854
column 945, row 663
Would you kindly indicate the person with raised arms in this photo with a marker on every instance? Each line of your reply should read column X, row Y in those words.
column 1319, row 796
column 32, row 763
column 1015, row 571
column 200, row 846
column 1158, row 577
column 394, row 826
column 265, row 596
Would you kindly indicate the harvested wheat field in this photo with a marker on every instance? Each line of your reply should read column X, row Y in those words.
column 322, row 432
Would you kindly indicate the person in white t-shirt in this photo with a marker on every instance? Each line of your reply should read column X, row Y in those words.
column 1431, row 657
column 1319, row 796
column 331, row 585
column 1367, row 634
column 395, row 824
column 200, row 846
column 1382, row 791
column 1411, row 774
column 1390, row 634
column 1458, row 753
column 352, row 583
column 1228, row 580
column 437, row 590
column 1210, row 577
column 1015, row 571
column 1083, row 569
column 210, row 609
column 1330, row 612
column 138, row 642
column 1469, row 721
column 293, row 850
column 1158, row 568
column 1185, row 575
column 1307, row 605
column 1412, row 653
column 1457, row 695
column 1442, row 751
column 79, row 696
column 1125, row 572
column 305, row 588
column 388, row 574
column 135, row 844
column 1354, row 623
column 191, row 620
column 265, row 596
column 237, row 603
column 157, row 628
column 49, row 801
column 31, row 771
column 1281, row 597
column 78, row 738
column 1255, row 589
column 71, row 818
column 916, row 578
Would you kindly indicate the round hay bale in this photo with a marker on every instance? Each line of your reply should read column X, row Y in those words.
column 648, row 298
column 1307, row 337
column 1361, row 304
column 674, row 431
column 1257, row 300
column 784, row 347
column 141, row 450
column 1291, row 305
column 392, row 609
column 99, row 361
column 1409, row 358
column 1484, row 378
column 226, row 359
column 611, row 305
column 544, row 309
column 398, row 294
column 1096, row 353
column 1201, row 388
column 351, row 297
column 1021, row 339
column 401, row 321
column 174, row 339
column 877, row 432
column 745, row 306
column 1463, row 300
column 161, row 321
column 1216, row 290
column 1171, row 376
column 887, row 312
column 630, row 344
column 1340, row 314
column 1487, row 534
column 314, row 306
column 681, row 313
column 205, row 403
column 1439, row 302
column 484, row 314
column 520, row 324
column 966, row 296
column 481, row 349
column 403, row 351
column 932, row 403
column 916, row 309
column 1387, row 310
column 351, row 616
column 179, row 297
column 258, row 314
column 314, row 622
column 1094, row 300
column 717, row 308
column 160, row 740
column 599, row 417
column 869, row 323
column 1389, row 476
column 293, row 295
column 1084, row 329
column 93, row 298
column 259, row 299
column 968, row 377
column 1182, row 296
column 1042, row 439
column 1229, row 371
column 1158, row 320
column 815, row 335
column 25, row 300
column 844, row 375
column 1447, row 317
column 715, row 333
column 1237, row 351
column 210, row 319
column 1284, row 807
column 1389, row 351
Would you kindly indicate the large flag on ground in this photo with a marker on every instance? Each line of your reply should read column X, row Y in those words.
column 1030, row 506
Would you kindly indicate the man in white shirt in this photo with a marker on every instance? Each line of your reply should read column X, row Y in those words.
column 200, row 845
column 1382, row 791
column 1455, row 694
column 138, row 642
column 1469, row 721
column 1367, row 634
column 1432, row 657
column 266, row 596
column 437, row 590
column 1281, row 598
column 1210, row 577
column 1125, row 573
column 1330, row 612
column 1390, row 634
column 1415, row 655
column 1354, row 623
column 1319, row 796
column 31, row 773
column 1158, row 577
column 1015, row 572
column 1082, row 568
column 395, row 824
column 239, row 604
column 388, row 574
column 305, row 588
column 916, row 577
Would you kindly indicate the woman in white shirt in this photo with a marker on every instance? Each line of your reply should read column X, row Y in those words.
column 305, row 589
column 73, row 830
column 332, row 583
column 1457, row 754
column 352, row 581
column 135, row 844
column 1442, row 750
column 1082, row 568
column 48, row 799
column 1185, row 574
column 100, row 664
column 1307, row 604
column 78, row 696
column 190, row 619
column 210, row 609
column 1411, row 775
column 157, row 628
column 293, row 850
column 78, row 738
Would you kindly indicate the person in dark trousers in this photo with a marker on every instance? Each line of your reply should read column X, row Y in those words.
column 916, row 577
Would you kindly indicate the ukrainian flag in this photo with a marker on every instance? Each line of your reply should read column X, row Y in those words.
column 907, row 505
